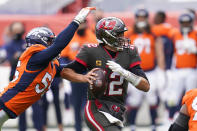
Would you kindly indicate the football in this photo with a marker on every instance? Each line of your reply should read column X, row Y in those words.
column 98, row 87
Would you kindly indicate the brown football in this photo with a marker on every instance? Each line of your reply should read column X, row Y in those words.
column 98, row 88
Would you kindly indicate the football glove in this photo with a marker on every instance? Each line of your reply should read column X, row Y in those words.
column 115, row 67
column 81, row 16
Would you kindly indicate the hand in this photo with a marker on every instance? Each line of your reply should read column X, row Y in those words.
column 115, row 67
column 81, row 16
column 190, row 46
column 91, row 76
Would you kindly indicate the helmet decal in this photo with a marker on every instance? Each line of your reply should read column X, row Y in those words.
column 110, row 31
column 108, row 25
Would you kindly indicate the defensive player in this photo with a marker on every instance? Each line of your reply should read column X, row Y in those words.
column 184, row 66
column 37, row 67
column 187, row 117
column 121, row 62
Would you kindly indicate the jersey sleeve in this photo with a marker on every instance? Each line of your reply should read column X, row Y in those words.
column 58, row 68
column 82, row 56
column 134, row 56
column 188, row 96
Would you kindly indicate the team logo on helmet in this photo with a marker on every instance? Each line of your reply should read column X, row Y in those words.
column 108, row 25
column 40, row 35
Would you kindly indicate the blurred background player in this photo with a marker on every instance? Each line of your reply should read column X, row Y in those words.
column 14, row 48
column 184, row 62
column 83, row 35
column 151, row 51
column 162, row 29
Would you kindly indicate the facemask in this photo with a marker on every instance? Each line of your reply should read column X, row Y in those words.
column 186, row 30
column 18, row 36
column 141, row 24
column 81, row 32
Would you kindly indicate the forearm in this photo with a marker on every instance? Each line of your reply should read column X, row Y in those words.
column 143, row 85
column 71, row 75
column 138, row 81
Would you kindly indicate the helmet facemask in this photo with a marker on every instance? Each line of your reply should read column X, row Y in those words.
column 110, row 31
column 186, row 23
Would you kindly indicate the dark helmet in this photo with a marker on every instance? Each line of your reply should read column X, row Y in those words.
column 40, row 35
column 186, row 22
column 110, row 31
column 141, row 13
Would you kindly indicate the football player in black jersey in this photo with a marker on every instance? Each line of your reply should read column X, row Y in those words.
column 121, row 62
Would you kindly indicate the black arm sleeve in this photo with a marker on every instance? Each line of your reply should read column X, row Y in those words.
column 137, row 70
column 62, row 40
column 76, row 66
column 181, row 123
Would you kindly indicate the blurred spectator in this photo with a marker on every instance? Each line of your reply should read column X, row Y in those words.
column 13, row 49
column 150, row 50
column 183, row 74
column 55, row 92
column 79, row 90
column 161, row 29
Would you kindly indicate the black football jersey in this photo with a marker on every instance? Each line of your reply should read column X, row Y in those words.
column 96, row 56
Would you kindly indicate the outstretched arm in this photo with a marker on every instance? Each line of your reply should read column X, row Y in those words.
column 62, row 40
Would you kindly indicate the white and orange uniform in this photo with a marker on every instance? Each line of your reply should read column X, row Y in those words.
column 146, row 47
column 184, row 70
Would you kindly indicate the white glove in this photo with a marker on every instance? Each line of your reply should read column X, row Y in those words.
column 115, row 67
column 81, row 16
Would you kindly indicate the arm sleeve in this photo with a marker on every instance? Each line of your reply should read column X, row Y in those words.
column 134, row 57
column 76, row 66
column 82, row 56
column 137, row 70
column 62, row 40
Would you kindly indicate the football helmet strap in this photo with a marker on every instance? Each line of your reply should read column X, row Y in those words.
column 110, row 31
column 40, row 35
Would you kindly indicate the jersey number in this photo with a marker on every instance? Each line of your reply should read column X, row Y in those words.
column 16, row 75
column 37, row 88
column 116, row 81
column 44, row 82
column 194, row 107
column 143, row 44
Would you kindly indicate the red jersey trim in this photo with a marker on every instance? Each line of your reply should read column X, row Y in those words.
column 109, row 54
column 89, row 115
column 134, row 64
column 81, row 61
